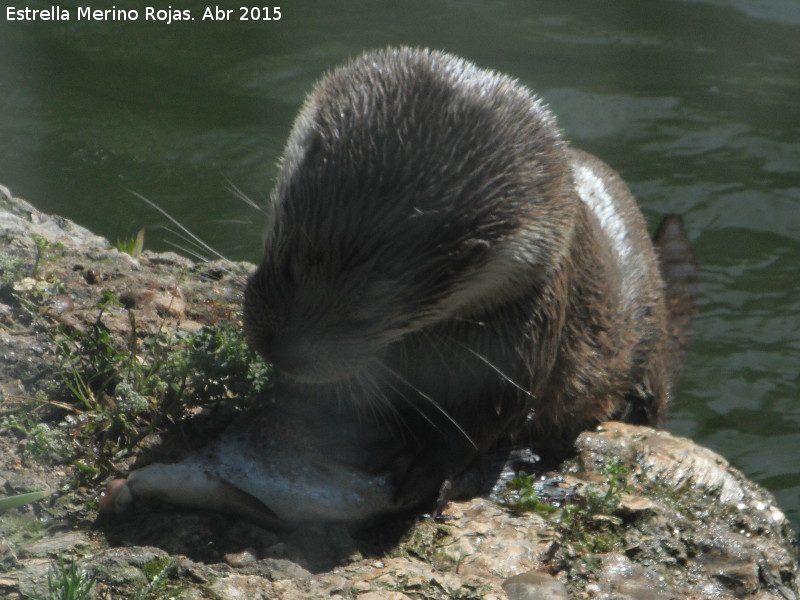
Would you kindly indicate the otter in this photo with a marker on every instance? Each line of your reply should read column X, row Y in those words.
column 442, row 275
column 438, row 254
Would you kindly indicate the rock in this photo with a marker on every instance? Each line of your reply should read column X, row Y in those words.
column 122, row 567
column 20, row 221
column 683, row 524
column 383, row 596
column 241, row 587
column 64, row 542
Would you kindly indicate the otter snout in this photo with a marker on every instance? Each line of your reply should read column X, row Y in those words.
column 292, row 355
column 308, row 356
column 316, row 336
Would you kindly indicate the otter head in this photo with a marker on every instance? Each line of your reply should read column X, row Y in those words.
column 415, row 189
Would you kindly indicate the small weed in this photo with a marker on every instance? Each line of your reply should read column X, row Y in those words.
column 606, row 502
column 12, row 268
column 132, row 245
column 37, row 435
column 67, row 583
column 523, row 496
column 24, row 284
column 45, row 250
column 588, row 523
column 157, row 572
column 45, row 444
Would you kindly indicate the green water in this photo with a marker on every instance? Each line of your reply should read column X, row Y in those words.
column 696, row 103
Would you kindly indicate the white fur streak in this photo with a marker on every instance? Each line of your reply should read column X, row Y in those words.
column 594, row 194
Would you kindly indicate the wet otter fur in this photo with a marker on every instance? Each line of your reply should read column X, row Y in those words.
column 440, row 264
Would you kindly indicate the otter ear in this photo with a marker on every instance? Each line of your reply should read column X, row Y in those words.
column 315, row 145
column 478, row 244
column 474, row 251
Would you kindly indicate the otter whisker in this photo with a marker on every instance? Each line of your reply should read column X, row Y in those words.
column 400, row 424
column 438, row 343
column 365, row 386
column 434, row 404
column 479, row 356
column 382, row 406
column 497, row 370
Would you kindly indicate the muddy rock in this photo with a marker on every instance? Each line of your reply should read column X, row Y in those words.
column 670, row 520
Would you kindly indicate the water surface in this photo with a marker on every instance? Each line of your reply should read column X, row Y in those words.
column 696, row 103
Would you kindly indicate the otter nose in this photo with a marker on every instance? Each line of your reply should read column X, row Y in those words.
column 280, row 350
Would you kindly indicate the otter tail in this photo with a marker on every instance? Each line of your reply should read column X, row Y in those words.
column 679, row 270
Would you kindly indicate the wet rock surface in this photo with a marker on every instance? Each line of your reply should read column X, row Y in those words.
column 685, row 524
